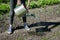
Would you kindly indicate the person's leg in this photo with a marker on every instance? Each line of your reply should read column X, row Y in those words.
column 25, row 24
column 24, row 16
column 12, row 6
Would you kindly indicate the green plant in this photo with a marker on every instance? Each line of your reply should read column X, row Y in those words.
column 33, row 4
column 4, row 1
column 4, row 8
column 40, row 3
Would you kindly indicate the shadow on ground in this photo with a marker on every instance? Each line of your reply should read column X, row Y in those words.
column 43, row 29
column 46, row 24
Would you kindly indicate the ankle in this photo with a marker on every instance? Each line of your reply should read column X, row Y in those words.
column 25, row 24
column 10, row 25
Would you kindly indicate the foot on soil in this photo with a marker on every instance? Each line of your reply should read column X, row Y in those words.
column 9, row 30
column 26, row 27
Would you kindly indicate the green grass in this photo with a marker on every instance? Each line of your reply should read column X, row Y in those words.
column 4, row 8
column 41, row 3
column 20, row 39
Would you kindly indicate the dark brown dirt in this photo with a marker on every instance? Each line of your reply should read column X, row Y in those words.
column 48, row 17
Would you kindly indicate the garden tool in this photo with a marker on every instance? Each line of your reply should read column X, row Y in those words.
column 20, row 10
